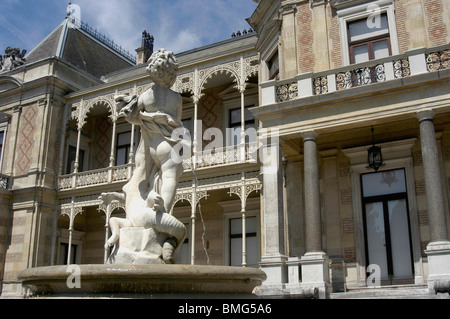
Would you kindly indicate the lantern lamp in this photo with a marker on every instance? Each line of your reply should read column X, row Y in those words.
column 374, row 156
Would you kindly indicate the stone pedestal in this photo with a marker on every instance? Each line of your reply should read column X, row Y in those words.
column 438, row 254
column 138, row 246
column 315, row 273
column 276, row 271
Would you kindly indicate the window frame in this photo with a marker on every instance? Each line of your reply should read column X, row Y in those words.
column 118, row 147
column 4, row 130
column 232, row 210
column 275, row 75
column 359, row 12
column 84, row 146
column 232, row 104
column 385, row 199
column 77, row 240
column 240, row 236
column 369, row 42
column 235, row 125
column 81, row 160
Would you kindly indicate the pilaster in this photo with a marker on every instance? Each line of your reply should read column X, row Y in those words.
column 289, row 41
column 273, row 260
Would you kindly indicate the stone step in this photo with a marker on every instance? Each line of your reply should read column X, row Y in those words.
column 387, row 292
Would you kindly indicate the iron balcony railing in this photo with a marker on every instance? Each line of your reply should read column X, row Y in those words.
column 411, row 63
column 119, row 174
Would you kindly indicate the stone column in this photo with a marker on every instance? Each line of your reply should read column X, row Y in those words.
column 312, row 194
column 438, row 250
column 273, row 260
column 315, row 273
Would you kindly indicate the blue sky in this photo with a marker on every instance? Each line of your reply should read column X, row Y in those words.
column 177, row 25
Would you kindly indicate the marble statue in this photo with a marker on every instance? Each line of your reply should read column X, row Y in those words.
column 12, row 59
column 150, row 232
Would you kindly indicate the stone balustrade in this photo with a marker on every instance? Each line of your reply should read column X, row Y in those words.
column 310, row 84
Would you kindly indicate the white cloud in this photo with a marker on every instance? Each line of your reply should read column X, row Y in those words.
column 177, row 25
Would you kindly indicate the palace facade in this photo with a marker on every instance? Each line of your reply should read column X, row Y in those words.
column 353, row 95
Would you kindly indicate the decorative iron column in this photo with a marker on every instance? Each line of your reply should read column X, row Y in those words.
column 244, row 224
column 80, row 124
column 71, row 219
column 242, row 144
column 193, row 215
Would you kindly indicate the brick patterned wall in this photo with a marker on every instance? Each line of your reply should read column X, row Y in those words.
column 435, row 24
column 14, row 258
column 436, row 28
column 210, row 110
column 400, row 19
column 423, row 217
column 346, row 197
column 335, row 39
column 26, row 139
column 305, row 51
column 102, row 133
column 350, row 254
column 420, row 188
column 348, row 226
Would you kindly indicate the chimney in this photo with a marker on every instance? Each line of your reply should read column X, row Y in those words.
column 146, row 49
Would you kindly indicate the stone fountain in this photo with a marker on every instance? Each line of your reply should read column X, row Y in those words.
column 143, row 244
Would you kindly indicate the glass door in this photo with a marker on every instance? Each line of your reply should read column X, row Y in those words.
column 387, row 230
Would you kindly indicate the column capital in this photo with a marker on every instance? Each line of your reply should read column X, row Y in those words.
column 309, row 135
column 425, row 115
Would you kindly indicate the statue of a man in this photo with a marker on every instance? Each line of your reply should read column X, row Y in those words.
column 150, row 193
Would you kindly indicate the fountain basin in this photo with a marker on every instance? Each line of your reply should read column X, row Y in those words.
column 142, row 280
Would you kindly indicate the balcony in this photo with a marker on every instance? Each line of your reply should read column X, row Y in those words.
column 121, row 174
column 411, row 63
column 104, row 176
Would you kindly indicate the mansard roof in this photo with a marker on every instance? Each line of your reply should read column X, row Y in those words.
column 80, row 46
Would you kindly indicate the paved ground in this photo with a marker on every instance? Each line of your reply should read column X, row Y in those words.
column 393, row 292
